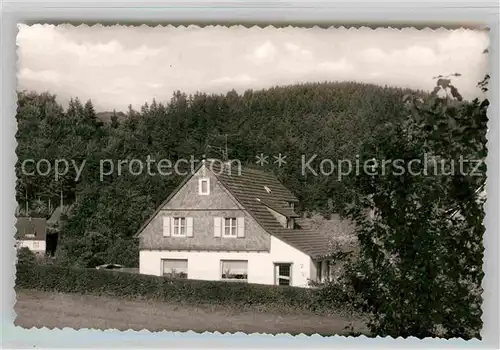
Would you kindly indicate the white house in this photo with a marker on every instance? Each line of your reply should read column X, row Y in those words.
column 226, row 224
column 31, row 233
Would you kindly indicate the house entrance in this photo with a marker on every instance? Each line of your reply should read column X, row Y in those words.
column 283, row 274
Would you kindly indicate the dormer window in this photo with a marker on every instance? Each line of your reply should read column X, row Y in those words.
column 204, row 186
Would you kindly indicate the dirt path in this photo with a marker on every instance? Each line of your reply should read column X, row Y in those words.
column 37, row 309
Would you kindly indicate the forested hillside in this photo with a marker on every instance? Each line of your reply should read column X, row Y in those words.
column 327, row 119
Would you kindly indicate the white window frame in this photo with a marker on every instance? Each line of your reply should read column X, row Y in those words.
column 179, row 223
column 222, row 272
column 180, row 276
column 200, row 186
column 277, row 275
column 233, row 227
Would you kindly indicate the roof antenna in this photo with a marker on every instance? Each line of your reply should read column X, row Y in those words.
column 223, row 152
column 27, row 203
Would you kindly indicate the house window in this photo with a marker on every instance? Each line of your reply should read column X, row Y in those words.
column 175, row 268
column 30, row 235
column 230, row 227
column 283, row 274
column 179, row 227
column 234, row 270
column 204, row 186
column 36, row 245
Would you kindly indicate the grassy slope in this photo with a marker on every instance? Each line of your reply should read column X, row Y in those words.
column 38, row 309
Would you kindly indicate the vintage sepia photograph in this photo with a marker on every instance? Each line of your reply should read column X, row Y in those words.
column 301, row 180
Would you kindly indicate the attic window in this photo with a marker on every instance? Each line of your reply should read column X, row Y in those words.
column 204, row 186
column 268, row 190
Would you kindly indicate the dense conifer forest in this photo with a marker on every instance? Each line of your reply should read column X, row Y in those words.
column 329, row 120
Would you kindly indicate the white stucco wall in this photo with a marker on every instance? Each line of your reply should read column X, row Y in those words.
column 205, row 265
column 30, row 244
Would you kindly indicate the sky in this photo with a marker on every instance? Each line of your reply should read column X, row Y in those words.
column 116, row 66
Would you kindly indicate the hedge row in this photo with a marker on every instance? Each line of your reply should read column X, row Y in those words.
column 193, row 292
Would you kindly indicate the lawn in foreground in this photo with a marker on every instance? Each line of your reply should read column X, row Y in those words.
column 49, row 309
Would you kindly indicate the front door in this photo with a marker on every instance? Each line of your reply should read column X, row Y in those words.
column 283, row 274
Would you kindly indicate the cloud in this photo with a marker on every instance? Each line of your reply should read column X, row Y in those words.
column 298, row 51
column 264, row 53
column 335, row 66
column 412, row 55
column 154, row 85
column 95, row 54
column 44, row 76
column 461, row 39
column 116, row 66
column 98, row 55
column 292, row 47
column 373, row 54
column 238, row 79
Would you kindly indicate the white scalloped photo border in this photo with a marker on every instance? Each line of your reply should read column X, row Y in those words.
column 110, row 13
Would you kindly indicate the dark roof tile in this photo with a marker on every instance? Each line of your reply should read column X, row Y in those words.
column 249, row 188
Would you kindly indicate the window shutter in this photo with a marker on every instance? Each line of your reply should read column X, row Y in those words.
column 166, row 226
column 217, row 226
column 189, row 227
column 172, row 224
column 241, row 227
column 199, row 186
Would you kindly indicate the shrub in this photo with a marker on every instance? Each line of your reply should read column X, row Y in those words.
column 26, row 257
column 193, row 292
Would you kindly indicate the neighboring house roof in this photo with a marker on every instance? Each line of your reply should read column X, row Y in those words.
column 256, row 190
column 31, row 229
column 340, row 232
column 58, row 212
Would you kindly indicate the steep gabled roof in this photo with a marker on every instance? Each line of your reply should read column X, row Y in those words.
column 254, row 182
column 58, row 213
column 170, row 196
column 257, row 190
